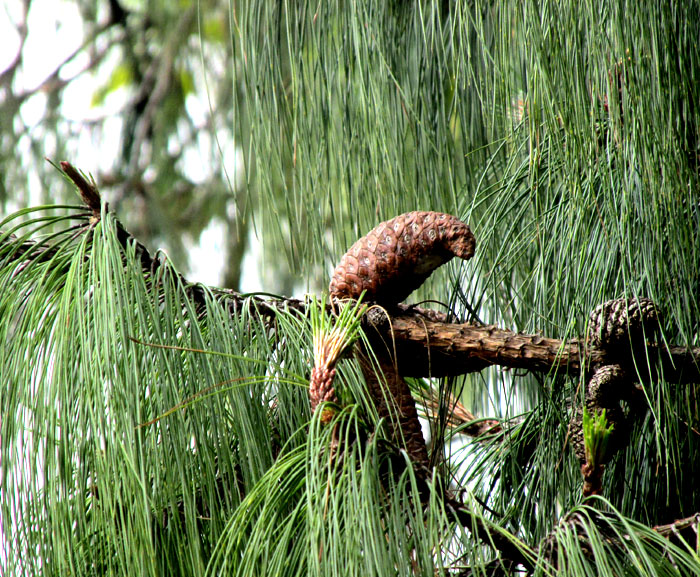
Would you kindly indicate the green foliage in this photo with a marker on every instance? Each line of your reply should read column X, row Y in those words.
column 596, row 434
column 85, row 392
column 333, row 507
column 128, row 484
column 565, row 135
column 592, row 543
column 334, row 334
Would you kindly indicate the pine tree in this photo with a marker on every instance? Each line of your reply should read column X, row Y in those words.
column 155, row 426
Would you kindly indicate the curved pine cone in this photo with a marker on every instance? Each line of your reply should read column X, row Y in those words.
column 621, row 321
column 396, row 257
column 612, row 388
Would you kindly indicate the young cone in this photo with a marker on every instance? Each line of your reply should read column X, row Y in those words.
column 321, row 389
column 330, row 339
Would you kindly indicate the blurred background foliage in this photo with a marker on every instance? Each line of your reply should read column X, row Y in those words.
column 565, row 134
column 142, row 96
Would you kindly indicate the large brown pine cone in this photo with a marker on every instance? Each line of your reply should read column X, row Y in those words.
column 396, row 257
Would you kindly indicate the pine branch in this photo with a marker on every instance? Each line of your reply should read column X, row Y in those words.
column 458, row 417
column 687, row 529
column 510, row 552
column 430, row 348
column 235, row 302
column 425, row 343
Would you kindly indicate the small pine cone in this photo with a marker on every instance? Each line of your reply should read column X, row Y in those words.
column 321, row 386
column 621, row 321
column 606, row 389
column 396, row 257
column 576, row 434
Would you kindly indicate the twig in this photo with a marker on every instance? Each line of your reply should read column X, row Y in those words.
column 88, row 190
column 679, row 526
column 458, row 417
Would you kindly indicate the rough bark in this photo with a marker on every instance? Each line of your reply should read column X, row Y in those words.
column 427, row 347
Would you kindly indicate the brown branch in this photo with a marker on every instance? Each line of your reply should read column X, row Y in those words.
column 426, row 343
column 687, row 529
column 458, row 416
column 682, row 532
column 427, row 348
column 234, row 302
column 519, row 555
column 510, row 551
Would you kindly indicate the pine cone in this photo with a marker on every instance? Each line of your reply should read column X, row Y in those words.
column 396, row 257
column 621, row 321
column 609, row 387
column 321, row 389
column 605, row 387
column 321, row 386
